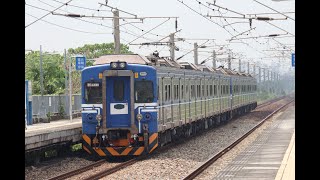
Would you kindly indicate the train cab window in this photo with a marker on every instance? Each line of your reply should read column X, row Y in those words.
column 118, row 90
column 93, row 93
column 143, row 91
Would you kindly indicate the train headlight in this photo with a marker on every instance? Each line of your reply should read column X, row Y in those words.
column 114, row 65
column 139, row 117
column 98, row 117
column 122, row 65
column 118, row 65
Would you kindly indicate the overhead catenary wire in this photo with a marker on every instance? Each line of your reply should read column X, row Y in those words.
column 203, row 16
column 280, row 28
column 149, row 30
column 226, row 9
column 77, row 30
column 117, row 9
column 274, row 10
column 133, row 34
column 47, row 14
column 222, row 26
column 80, row 7
column 190, row 51
column 88, row 21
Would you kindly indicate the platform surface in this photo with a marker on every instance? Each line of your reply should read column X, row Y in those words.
column 44, row 134
column 271, row 156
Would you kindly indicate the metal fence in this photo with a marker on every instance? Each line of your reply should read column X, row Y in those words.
column 54, row 104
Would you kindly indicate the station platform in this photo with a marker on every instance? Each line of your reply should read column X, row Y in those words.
column 270, row 156
column 41, row 135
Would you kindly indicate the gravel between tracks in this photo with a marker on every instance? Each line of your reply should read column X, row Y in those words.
column 54, row 168
column 176, row 162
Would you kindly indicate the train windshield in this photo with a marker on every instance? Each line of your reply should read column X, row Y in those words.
column 143, row 91
column 93, row 93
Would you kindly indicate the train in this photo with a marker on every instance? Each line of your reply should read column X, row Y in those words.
column 133, row 104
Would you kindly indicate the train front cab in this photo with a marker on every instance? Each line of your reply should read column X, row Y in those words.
column 128, row 123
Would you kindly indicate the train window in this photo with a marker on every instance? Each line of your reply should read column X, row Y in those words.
column 198, row 91
column 182, row 92
column 93, row 93
column 169, row 92
column 143, row 91
column 223, row 89
column 193, row 91
column 202, row 91
column 166, row 92
column 210, row 91
column 175, row 92
column 118, row 90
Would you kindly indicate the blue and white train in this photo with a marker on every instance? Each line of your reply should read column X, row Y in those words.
column 132, row 104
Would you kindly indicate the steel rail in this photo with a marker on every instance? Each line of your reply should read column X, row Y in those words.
column 211, row 160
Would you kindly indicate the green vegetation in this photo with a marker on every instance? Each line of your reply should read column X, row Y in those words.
column 265, row 96
column 54, row 69
column 76, row 147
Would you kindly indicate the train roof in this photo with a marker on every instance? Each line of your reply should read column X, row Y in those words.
column 156, row 61
column 129, row 58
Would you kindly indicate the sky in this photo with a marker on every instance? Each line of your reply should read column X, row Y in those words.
column 56, row 32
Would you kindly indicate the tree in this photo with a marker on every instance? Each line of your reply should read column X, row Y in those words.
column 96, row 50
column 53, row 72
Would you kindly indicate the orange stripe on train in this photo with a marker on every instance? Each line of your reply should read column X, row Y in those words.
column 139, row 151
column 86, row 149
column 112, row 151
column 100, row 152
column 87, row 139
column 126, row 151
column 153, row 148
column 153, row 137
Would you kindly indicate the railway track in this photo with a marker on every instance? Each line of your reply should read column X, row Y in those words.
column 270, row 102
column 214, row 158
column 116, row 168
column 78, row 171
column 106, row 172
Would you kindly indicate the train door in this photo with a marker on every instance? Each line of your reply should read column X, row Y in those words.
column 118, row 101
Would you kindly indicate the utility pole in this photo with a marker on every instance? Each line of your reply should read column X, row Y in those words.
column 116, row 31
column 41, row 73
column 229, row 60
column 214, row 59
column 65, row 79
column 70, row 89
column 259, row 78
column 239, row 65
column 254, row 71
column 42, row 109
column 172, row 46
column 195, row 53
